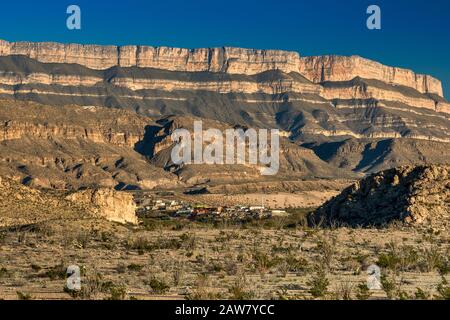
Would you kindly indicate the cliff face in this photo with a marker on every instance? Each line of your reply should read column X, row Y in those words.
column 108, row 204
column 72, row 147
column 231, row 60
column 319, row 102
column 339, row 68
column 269, row 86
column 20, row 204
column 228, row 60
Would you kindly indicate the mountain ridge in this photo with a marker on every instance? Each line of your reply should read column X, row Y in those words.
column 222, row 59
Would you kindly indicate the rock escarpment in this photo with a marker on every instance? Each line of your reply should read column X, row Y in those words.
column 22, row 205
column 149, row 78
column 225, row 59
column 295, row 162
column 72, row 147
column 413, row 195
column 341, row 68
column 319, row 102
column 108, row 204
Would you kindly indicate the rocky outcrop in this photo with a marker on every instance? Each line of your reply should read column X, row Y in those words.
column 108, row 204
column 341, row 68
column 75, row 147
column 412, row 195
column 359, row 88
column 21, row 205
column 225, row 59
column 280, row 84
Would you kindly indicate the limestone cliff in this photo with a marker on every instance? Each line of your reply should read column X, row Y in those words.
column 108, row 204
column 225, row 59
column 73, row 147
column 340, row 68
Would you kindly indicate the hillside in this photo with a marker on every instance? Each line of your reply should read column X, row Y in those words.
column 411, row 195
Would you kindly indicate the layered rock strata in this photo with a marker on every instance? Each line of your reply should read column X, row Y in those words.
column 225, row 59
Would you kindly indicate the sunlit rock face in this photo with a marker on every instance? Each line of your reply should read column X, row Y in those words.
column 339, row 68
column 108, row 204
column 225, row 59
column 414, row 195
column 365, row 115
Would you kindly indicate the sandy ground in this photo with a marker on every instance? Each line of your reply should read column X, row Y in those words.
column 305, row 199
column 201, row 261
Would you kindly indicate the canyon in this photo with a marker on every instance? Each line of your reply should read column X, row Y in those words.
column 87, row 177
column 78, row 116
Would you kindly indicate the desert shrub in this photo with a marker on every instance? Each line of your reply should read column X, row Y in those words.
column 318, row 283
column 35, row 267
column 23, row 296
column 4, row 272
column 344, row 290
column 238, row 290
column 168, row 244
column 362, row 291
column 421, row 294
column 327, row 251
column 201, row 290
column 214, row 266
column 433, row 259
column 92, row 285
column 135, row 267
column 283, row 268
column 117, row 292
column 139, row 243
column 78, row 240
column 56, row 272
column 230, row 267
column 263, row 262
column 158, row 286
column 388, row 260
column 81, row 239
column 296, row 264
column 389, row 286
column 407, row 258
column 177, row 275
column 3, row 236
column 188, row 241
column 443, row 290
column 121, row 267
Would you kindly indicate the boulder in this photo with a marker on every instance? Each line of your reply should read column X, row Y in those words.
column 107, row 203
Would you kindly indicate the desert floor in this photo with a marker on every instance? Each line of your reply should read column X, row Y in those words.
column 278, row 258
column 303, row 199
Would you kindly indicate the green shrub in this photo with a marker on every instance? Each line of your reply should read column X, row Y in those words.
column 135, row 267
column 363, row 292
column 318, row 284
column 158, row 286
column 23, row 296
column 443, row 290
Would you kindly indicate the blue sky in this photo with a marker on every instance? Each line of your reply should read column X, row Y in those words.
column 415, row 33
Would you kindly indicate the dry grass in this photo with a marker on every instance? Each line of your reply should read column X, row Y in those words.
column 206, row 262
